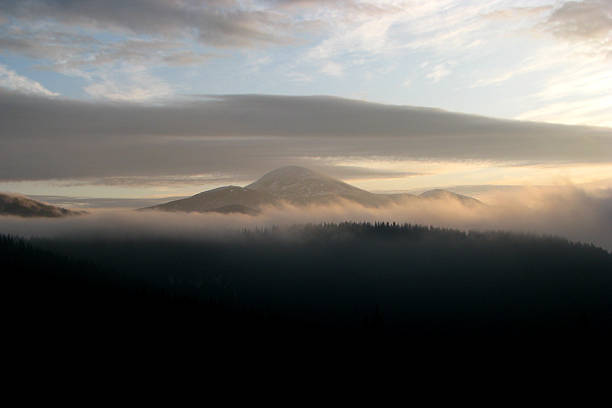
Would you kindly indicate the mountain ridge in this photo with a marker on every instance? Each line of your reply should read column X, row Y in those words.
column 297, row 186
column 21, row 206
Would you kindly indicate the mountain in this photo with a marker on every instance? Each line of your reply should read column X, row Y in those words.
column 25, row 207
column 296, row 186
column 439, row 194
column 230, row 199
column 301, row 186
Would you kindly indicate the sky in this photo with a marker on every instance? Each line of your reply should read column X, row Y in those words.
column 152, row 98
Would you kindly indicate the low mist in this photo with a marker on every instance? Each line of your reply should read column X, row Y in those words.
column 565, row 211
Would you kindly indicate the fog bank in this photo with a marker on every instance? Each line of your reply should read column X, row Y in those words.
column 565, row 211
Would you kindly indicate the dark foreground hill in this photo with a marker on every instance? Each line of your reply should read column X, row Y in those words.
column 26, row 207
column 296, row 186
column 353, row 280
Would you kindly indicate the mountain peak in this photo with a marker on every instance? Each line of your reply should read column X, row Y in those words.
column 299, row 185
column 290, row 173
column 288, row 177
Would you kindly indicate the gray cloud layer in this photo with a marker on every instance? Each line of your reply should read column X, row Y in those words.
column 43, row 138
column 584, row 22
column 216, row 22
column 590, row 19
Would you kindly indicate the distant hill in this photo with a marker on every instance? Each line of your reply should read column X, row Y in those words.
column 297, row 186
column 25, row 207
column 438, row 194
column 223, row 199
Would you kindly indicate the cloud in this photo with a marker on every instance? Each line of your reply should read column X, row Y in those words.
column 573, row 81
column 112, row 69
column 89, row 38
column 135, row 84
column 46, row 45
column 541, row 60
column 12, row 80
column 438, row 72
column 587, row 24
column 185, row 58
column 332, row 69
column 221, row 23
column 518, row 12
column 577, row 91
column 582, row 20
column 595, row 109
column 67, row 50
column 298, row 77
column 251, row 134
column 357, row 32
column 565, row 211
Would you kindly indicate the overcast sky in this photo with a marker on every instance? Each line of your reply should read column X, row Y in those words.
column 148, row 97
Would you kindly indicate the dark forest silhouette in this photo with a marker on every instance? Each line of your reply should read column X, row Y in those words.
column 355, row 279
